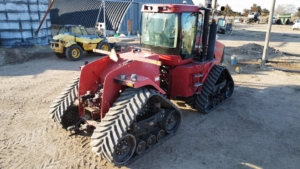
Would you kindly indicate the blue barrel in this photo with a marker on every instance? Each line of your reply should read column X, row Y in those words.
column 233, row 60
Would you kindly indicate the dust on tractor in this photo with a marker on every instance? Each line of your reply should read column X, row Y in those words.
column 72, row 40
column 125, row 97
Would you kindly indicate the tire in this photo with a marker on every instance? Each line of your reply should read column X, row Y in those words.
column 74, row 53
column 104, row 46
column 60, row 55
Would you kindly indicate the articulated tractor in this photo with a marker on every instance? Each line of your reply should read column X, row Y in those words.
column 125, row 97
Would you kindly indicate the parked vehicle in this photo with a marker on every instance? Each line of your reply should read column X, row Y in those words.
column 296, row 26
column 253, row 18
column 221, row 28
column 72, row 40
column 297, row 21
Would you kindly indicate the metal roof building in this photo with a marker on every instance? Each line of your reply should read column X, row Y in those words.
column 20, row 19
column 119, row 14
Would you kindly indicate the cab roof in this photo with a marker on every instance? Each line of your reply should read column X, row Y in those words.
column 169, row 8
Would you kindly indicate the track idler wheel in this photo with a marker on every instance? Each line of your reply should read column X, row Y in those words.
column 125, row 148
column 229, row 89
column 171, row 121
column 70, row 117
column 140, row 146
column 159, row 133
column 150, row 139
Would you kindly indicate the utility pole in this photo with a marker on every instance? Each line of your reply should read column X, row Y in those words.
column 104, row 34
column 263, row 61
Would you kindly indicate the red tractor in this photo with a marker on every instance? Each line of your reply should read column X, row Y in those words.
column 125, row 97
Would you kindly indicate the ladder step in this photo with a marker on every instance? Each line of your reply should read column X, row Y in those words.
column 198, row 75
column 197, row 84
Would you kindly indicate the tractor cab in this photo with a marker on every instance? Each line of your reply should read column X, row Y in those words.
column 170, row 31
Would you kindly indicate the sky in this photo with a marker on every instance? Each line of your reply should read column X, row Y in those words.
column 239, row 5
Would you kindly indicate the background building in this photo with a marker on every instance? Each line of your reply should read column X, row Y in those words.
column 121, row 15
column 20, row 19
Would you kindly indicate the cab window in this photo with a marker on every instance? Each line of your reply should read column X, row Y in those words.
column 188, row 34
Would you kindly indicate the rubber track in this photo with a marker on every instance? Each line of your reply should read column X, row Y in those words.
column 64, row 100
column 207, row 88
column 119, row 118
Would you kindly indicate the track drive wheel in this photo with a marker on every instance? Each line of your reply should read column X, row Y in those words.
column 74, row 53
column 104, row 46
column 171, row 122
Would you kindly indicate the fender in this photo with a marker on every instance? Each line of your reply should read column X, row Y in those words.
column 139, row 81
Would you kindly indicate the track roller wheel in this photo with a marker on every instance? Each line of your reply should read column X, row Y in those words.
column 159, row 133
column 140, row 146
column 171, row 121
column 150, row 139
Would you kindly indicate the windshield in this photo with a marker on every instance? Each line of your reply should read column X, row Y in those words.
column 79, row 30
column 160, row 29
column 221, row 22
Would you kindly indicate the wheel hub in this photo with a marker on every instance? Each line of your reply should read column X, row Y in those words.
column 122, row 147
column 170, row 121
column 70, row 117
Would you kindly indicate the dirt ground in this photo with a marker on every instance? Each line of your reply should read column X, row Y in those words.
column 257, row 128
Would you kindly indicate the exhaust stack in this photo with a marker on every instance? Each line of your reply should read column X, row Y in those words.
column 212, row 33
column 205, row 29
